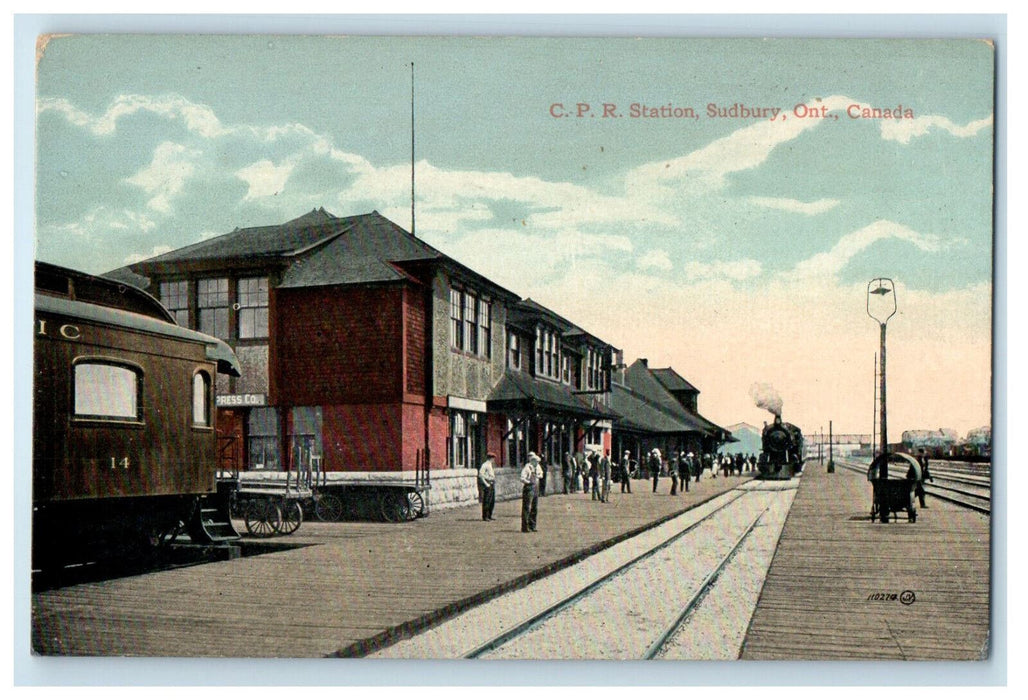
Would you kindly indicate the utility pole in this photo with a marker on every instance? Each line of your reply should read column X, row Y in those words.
column 831, row 462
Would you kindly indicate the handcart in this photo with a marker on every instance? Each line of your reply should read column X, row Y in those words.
column 894, row 477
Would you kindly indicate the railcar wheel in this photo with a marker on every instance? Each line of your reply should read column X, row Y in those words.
column 328, row 507
column 292, row 517
column 263, row 518
column 415, row 505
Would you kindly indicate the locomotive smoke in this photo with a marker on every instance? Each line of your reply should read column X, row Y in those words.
column 765, row 396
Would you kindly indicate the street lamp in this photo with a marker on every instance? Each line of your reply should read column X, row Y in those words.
column 881, row 306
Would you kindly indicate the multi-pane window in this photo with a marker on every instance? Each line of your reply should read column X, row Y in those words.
column 107, row 391
column 485, row 328
column 456, row 319
column 513, row 351
column 262, row 441
column 547, row 357
column 201, row 399
column 175, row 297
column 463, row 439
column 212, row 303
column 253, row 307
column 470, row 323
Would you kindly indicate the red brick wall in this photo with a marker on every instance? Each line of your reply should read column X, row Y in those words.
column 365, row 437
column 415, row 332
column 333, row 346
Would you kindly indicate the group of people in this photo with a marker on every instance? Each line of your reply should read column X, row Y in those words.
column 589, row 473
column 593, row 473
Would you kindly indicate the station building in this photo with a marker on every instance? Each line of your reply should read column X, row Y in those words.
column 366, row 350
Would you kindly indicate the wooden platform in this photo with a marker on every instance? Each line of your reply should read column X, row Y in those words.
column 354, row 586
column 836, row 586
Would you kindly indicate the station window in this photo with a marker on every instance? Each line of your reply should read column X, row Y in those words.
column 212, row 303
column 253, row 307
column 175, row 297
column 513, row 351
column 262, row 439
column 464, row 439
column 202, row 399
column 547, row 353
column 106, row 391
column 470, row 323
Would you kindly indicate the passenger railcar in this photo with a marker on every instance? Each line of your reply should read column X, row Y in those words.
column 782, row 451
column 124, row 442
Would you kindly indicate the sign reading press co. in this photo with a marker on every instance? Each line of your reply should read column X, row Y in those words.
column 235, row 400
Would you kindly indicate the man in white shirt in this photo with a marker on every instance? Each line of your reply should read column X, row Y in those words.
column 487, row 482
column 530, row 476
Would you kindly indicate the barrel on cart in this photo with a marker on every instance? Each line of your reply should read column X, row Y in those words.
column 894, row 477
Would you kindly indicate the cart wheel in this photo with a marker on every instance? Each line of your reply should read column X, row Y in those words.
column 292, row 517
column 328, row 507
column 394, row 507
column 263, row 518
column 415, row 505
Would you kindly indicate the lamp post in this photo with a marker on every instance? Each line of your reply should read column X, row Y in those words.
column 881, row 306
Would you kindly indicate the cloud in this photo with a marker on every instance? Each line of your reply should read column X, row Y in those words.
column 850, row 245
column 903, row 130
column 657, row 259
column 794, row 205
column 157, row 250
column 172, row 165
column 736, row 270
column 197, row 118
column 264, row 178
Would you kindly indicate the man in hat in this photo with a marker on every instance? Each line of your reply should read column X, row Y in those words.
column 487, row 483
column 684, row 471
column 626, row 472
column 530, row 476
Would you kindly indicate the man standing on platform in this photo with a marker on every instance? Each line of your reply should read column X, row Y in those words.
column 626, row 472
column 487, row 484
column 922, row 459
column 655, row 464
column 530, row 476
column 605, row 476
column 684, row 471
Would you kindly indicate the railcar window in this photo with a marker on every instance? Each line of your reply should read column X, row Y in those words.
column 107, row 391
column 201, row 399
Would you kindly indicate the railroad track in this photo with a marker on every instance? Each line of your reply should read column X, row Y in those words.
column 655, row 593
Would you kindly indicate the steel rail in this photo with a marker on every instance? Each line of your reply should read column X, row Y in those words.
column 538, row 618
column 707, row 584
column 934, row 494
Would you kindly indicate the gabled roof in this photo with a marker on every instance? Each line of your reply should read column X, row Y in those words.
column 641, row 380
column 517, row 391
column 672, row 380
column 527, row 312
column 643, row 416
column 316, row 249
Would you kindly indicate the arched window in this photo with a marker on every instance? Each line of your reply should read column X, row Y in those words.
column 107, row 391
column 201, row 399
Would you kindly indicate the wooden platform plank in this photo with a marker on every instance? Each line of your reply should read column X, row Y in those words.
column 818, row 598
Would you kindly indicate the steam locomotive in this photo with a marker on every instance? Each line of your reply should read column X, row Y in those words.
column 782, row 451
column 124, row 448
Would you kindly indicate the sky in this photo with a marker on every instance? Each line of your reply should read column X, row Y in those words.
column 737, row 249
